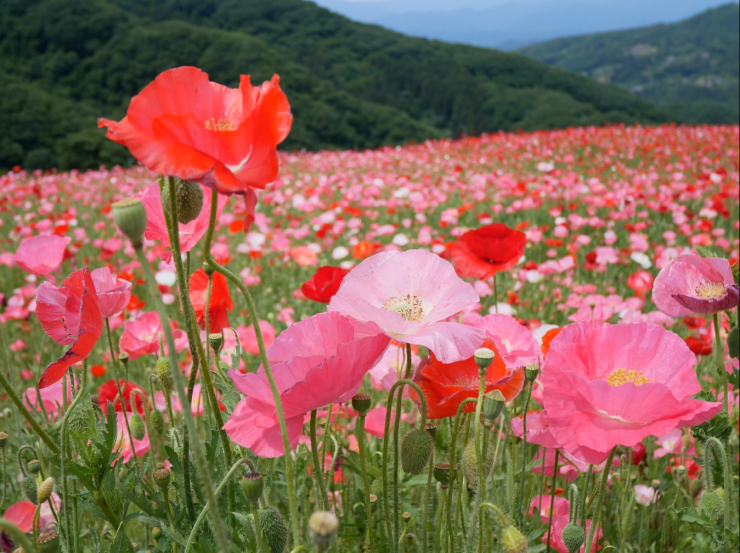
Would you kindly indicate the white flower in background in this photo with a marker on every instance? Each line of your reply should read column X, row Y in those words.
column 340, row 252
column 641, row 259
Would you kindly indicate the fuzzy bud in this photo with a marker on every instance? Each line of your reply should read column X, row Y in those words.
column 573, row 537
column 162, row 478
column 189, row 200
column 712, row 505
column 137, row 426
column 733, row 342
column 416, row 450
column 513, row 541
column 274, row 528
column 3, row 440
column 361, row 403
column 531, row 372
column 28, row 485
column 483, row 358
column 216, row 341
column 252, row 485
column 164, row 374
column 470, row 464
column 130, row 218
column 45, row 489
column 493, row 403
column 156, row 420
column 322, row 527
column 48, row 542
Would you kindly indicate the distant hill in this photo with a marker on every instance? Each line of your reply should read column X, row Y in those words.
column 688, row 68
column 65, row 62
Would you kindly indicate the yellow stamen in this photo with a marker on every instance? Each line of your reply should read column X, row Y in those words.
column 220, row 125
column 711, row 290
column 621, row 376
column 409, row 307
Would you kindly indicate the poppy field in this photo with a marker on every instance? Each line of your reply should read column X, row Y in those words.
column 518, row 342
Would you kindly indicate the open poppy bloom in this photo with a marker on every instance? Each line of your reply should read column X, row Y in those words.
column 124, row 444
column 608, row 385
column 69, row 315
column 185, row 126
column 445, row 386
column 410, row 295
column 324, row 283
column 41, row 255
column 219, row 302
column 483, row 252
column 694, row 284
column 141, row 336
column 113, row 293
column 108, row 391
column 317, row 361
column 514, row 343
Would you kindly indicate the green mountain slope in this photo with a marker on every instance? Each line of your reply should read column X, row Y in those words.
column 65, row 62
column 690, row 68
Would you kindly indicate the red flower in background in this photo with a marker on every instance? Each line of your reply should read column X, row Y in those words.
column 445, row 386
column 219, row 302
column 184, row 125
column 324, row 283
column 701, row 345
column 549, row 336
column 640, row 281
column 108, row 391
column 483, row 252
column 69, row 315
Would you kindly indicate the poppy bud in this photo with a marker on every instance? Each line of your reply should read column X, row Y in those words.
column 442, row 474
column 712, row 505
column 3, row 440
column 252, row 485
column 189, row 200
column 130, row 217
column 431, row 429
column 164, row 375
column 470, row 464
column 45, row 489
column 208, row 270
column 274, row 528
column 28, row 485
column 156, row 533
column 483, row 358
column 493, row 403
column 573, row 537
column 679, row 470
column 322, row 527
column 513, row 541
column 531, row 372
column 217, row 341
column 48, row 542
column 733, row 342
column 123, row 358
column 162, row 478
column 416, row 450
column 137, row 426
column 361, row 403
column 157, row 422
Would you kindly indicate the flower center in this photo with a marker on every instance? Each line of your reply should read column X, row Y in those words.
column 220, row 125
column 711, row 290
column 409, row 307
column 506, row 344
column 621, row 376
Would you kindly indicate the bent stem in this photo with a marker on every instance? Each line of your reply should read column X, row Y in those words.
column 599, row 497
column 263, row 357
column 318, row 468
column 192, row 430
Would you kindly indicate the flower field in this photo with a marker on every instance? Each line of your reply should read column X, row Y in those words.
column 597, row 421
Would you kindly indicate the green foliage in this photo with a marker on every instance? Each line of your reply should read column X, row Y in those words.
column 63, row 63
column 690, row 68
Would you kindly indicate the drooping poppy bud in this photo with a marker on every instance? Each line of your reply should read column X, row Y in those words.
column 416, row 450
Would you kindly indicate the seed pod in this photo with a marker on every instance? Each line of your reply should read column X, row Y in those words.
column 28, row 485
column 274, row 528
column 156, row 533
column 137, row 426
column 322, row 527
column 493, row 403
column 156, row 420
column 189, row 200
column 45, row 489
column 470, row 463
column 416, row 450
column 431, row 429
column 164, row 374
column 573, row 537
column 513, row 541
column 483, row 357
column 216, row 341
column 162, row 478
column 130, row 218
column 361, row 403
column 252, row 485
column 3, row 440
column 531, row 372
column 48, row 542
column 442, row 474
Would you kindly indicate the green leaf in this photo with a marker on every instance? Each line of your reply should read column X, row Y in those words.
column 705, row 251
column 121, row 543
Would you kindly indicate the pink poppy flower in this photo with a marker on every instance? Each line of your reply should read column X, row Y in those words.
column 248, row 338
column 69, row 315
column 190, row 234
column 560, row 519
column 304, row 256
column 21, row 514
column 113, row 293
column 409, row 295
column 671, row 443
column 607, row 385
column 645, row 495
column 141, row 336
column 196, row 405
column 123, row 443
column 52, row 398
column 538, row 429
column 317, row 361
column 387, row 371
column 41, row 255
column 694, row 284
column 513, row 341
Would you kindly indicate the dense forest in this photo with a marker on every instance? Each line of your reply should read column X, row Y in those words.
column 690, row 68
column 65, row 62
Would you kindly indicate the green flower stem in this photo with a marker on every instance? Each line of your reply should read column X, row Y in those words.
column 719, row 452
column 438, row 523
column 5, row 481
column 480, row 493
column 168, row 510
column 396, row 446
column 192, row 429
column 552, row 501
column 15, row 398
column 324, row 441
column 265, row 363
column 452, row 533
column 69, row 529
column 365, row 479
column 599, row 497
column 459, row 518
column 318, row 467
column 114, row 362
column 207, row 506
column 425, row 512
column 518, row 515
column 585, row 496
column 720, row 355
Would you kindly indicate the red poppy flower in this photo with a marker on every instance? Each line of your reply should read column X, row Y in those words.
column 218, row 304
column 324, row 283
column 185, row 126
column 483, row 252
column 108, row 391
column 640, row 281
column 445, row 386
column 69, row 315
column 638, row 453
column 701, row 345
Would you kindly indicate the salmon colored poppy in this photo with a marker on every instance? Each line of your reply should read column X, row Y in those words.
column 219, row 302
column 445, row 386
column 324, row 283
column 483, row 252
column 186, row 126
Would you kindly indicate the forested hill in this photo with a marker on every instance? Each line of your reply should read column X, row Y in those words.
column 690, row 68
column 65, row 62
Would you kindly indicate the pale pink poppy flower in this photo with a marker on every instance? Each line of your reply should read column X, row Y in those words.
column 387, row 371
column 514, row 343
column 538, row 429
column 645, row 495
column 123, row 442
column 113, row 293
column 607, row 385
column 21, row 514
column 671, row 443
column 52, row 398
column 317, row 361
column 694, row 284
column 375, row 421
column 409, row 295
column 141, row 336
column 190, row 234
column 196, row 405
column 41, row 255
column 248, row 338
